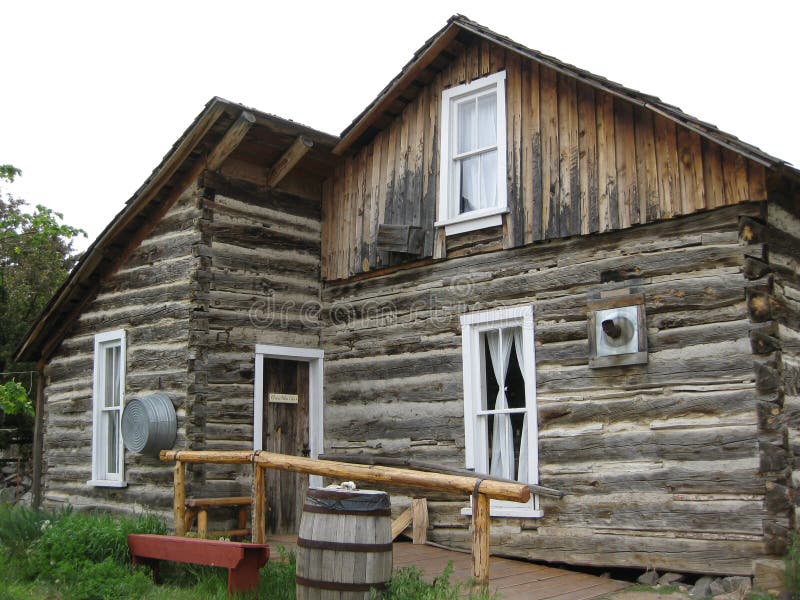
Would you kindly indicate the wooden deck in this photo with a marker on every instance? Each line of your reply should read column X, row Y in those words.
column 512, row 579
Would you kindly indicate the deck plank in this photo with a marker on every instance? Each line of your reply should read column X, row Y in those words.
column 513, row 579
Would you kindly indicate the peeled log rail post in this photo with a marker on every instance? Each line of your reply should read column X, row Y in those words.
column 259, row 511
column 179, row 500
column 483, row 490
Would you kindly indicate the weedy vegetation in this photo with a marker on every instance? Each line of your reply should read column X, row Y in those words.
column 70, row 555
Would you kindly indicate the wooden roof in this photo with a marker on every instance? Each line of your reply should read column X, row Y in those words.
column 439, row 49
column 265, row 142
column 271, row 136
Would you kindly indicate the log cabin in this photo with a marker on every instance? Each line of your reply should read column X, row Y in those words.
column 505, row 264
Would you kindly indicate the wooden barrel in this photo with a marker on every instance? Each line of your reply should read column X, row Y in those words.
column 344, row 546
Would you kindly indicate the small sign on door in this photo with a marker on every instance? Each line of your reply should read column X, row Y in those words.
column 283, row 398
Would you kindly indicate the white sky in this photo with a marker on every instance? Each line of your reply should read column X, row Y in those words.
column 95, row 93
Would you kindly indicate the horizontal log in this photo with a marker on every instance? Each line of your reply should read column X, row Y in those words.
column 754, row 231
column 730, row 477
column 256, row 195
column 431, row 468
column 494, row 489
column 587, row 547
column 580, row 249
column 238, row 210
column 722, row 443
column 645, row 407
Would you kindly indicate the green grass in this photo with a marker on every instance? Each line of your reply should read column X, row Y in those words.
column 408, row 583
column 84, row 556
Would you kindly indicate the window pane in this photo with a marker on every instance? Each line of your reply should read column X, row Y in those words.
column 491, row 387
column 517, row 421
column 487, row 120
column 515, row 384
column 111, row 373
column 488, row 197
column 112, row 441
column 470, row 188
column 466, row 126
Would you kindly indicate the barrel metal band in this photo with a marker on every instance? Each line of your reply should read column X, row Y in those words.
column 337, row 586
column 343, row 546
column 321, row 510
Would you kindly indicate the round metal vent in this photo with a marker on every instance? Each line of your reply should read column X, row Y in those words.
column 149, row 424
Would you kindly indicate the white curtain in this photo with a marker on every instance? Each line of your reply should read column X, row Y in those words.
column 519, row 350
column 502, row 463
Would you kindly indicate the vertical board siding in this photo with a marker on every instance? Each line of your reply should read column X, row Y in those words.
column 692, row 496
column 579, row 161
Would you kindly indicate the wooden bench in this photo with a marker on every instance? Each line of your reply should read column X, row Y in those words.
column 198, row 507
column 242, row 560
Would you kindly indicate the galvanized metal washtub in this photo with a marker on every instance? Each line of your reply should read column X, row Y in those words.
column 149, row 424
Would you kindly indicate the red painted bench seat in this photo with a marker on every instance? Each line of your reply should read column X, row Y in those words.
column 242, row 560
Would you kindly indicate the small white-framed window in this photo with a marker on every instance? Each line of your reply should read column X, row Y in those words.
column 108, row 400
column 500, row 418
column 472, row 174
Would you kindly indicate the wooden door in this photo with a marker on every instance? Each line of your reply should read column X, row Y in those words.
column 286, row 432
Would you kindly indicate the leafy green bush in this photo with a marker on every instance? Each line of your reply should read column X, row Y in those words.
column 408, row 583
column 14, row 399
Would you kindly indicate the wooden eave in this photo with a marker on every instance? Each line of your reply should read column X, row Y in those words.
column 443, row 46
column 188, row 156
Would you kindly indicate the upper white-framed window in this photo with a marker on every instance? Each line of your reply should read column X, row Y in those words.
column 108, row 400
column 500, row 417
column 472, row 173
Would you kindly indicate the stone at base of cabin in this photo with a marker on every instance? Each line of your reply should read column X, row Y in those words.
column 648, row 578
column 702, row 588
column 768, row 574
column 670, row 578
column 740, row 585
column 716, row 588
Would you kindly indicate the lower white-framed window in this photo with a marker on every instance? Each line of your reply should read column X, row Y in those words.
column 108, row 400
column 500, row 424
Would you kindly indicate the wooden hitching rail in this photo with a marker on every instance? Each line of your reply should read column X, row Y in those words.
column 482, row 490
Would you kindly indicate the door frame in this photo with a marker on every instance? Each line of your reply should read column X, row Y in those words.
column 316, row 429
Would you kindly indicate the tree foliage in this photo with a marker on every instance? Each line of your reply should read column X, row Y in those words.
column 36, row 255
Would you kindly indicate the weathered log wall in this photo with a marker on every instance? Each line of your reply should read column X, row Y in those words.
column 258, row 283
column 148, row 297
column 777, row 276
column 579, row 161
column 660, row 462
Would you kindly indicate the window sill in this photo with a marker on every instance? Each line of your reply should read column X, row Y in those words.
column 473, row 221
column 106, row 483
column 524, row 512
